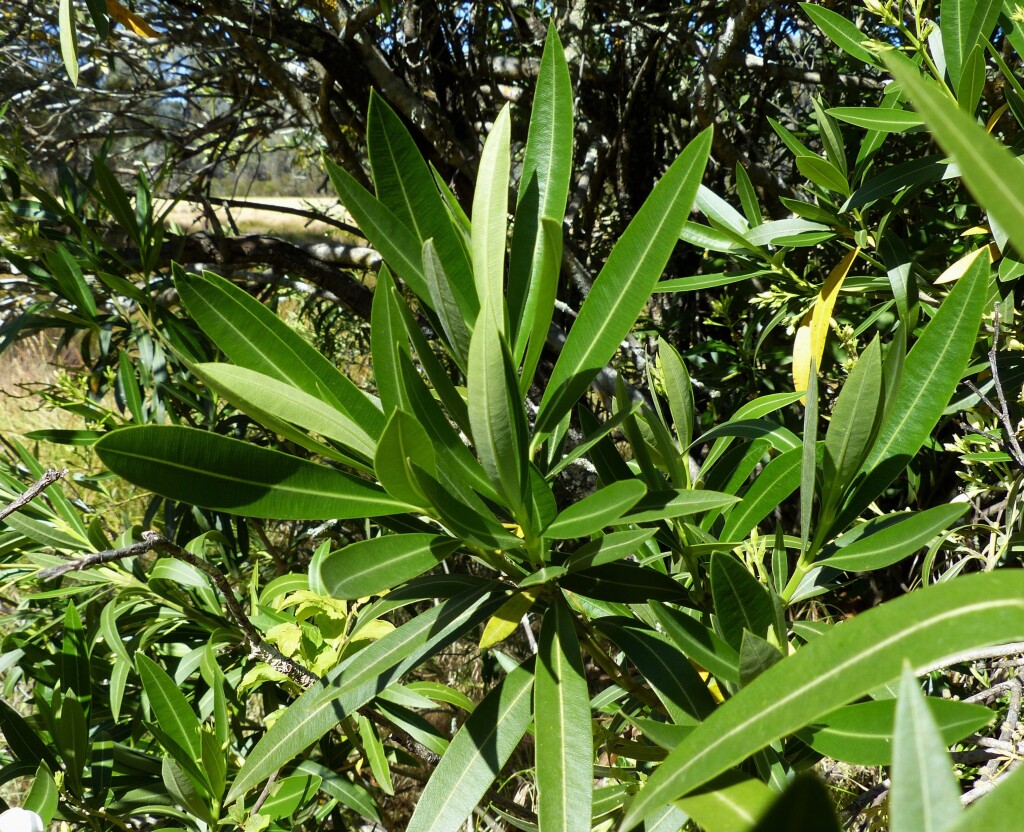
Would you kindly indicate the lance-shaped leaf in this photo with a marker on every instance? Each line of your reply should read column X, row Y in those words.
column 625, row 283
column 862, row 734
column 741, row 600
column 496, row 414
column 543, row 305
column 397, row 243
column 490, row 218
column 543, row 189
column 213, row 471
column 255, row 338
column 565, row 753
column 842, row 32
column 609, row 548
column 775, row 483
column 371, row 566
column 597, row 510
column 171, row 709
column 925, row 795
column 406, row 187
column 403, row 443
column 962, row 23
column 930, row 375
column 476, row 755
column 989, row 170
column 698, row 642
column 805, row 806
column 883, row 119
column 677, row 502
column 358, row 679
column 388, row 342
column 841, row 665
column 256, row 393
column 442, row 298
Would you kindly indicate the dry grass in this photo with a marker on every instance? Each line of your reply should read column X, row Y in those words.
column 191, row 217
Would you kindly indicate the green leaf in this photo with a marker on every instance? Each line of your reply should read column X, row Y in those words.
column 71, row 281
column 171, row 709
column 930, row 374
column 565, row 779
column 678, row 391
column 375, row 755
column 292, row 793
column 972, row 81
column 253, row 337
column 496, row 414
column 672, row 503
column 74, row 658
column 404, row 442
column 824, row 174
column 42, row 797
column 371, row 566
column 129, row 388
column 490, row 219
column 805, row 806
column 841, row 665
column 625, row 583
column 962, row 24
column 546, row 284
column 741, row 601
column 757, row 654
column 886, row 540
column 862, row 734
column 699, row 643
column 406, row 187
column 22, row 740
column 202, row 468
column 842, row 32
column 358, row 679
column 730, row 803
column 609, row 548
column 68, row 38
column 597, row 510
column 443, row 299
column 925, row 796
column 256, row 393
column 543, row 189
column 989, row 170
column 777, row 480
column 625, row 284
column 388, row 342
column 883, row 119
column 476, row 755
column 855, row 418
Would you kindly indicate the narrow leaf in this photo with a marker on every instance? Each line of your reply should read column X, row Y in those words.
column 371, row 566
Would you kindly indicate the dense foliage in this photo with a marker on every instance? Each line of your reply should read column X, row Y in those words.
column 576, row 534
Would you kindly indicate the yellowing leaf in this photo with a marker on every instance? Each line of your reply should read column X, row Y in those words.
column 504, row 622
column 960, row 267
column 130, row 20
column 810, row 337
column 994, row 118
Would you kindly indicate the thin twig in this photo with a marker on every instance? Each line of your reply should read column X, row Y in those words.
column 38, row 487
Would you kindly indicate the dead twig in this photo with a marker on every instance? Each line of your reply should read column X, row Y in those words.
column 38, row 487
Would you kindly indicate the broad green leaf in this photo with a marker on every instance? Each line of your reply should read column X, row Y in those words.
column 42, row 797
column 824, row 174
column 884, row 119
column 930, row 374
column 681, row 502
column 250, row 391
column 171, row 709
column 989, row 170
column 565, row 744
column 925, row 795
column 403, row 442
column 543, row 190
column 855, row 419
column 255, row 338
column 888, row 539
column 406, row 187
column 730, row 803
column 962, row 23
column 862, row 734
column 206, row 469
column 443, row 299
column 508, row 618
column 357, row 680
column 841, row 665
column 625, row 284
column 741, row 600
column 842, row 32
column 778, row 479
column 625, row 583
column 496, row 414
column 388, row 342
column 699, row 643
column 68, row 38
column 475, row 756
column 490, row 219
column 685, row 695
column 372, row 566
column 597, row 510
column 611, row 547
column 805, row 806
column 397, row 243
column 678, row 391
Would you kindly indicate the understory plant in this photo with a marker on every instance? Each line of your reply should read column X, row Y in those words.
column 684, row 671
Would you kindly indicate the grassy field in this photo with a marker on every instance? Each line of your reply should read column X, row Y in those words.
column 191, row 216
